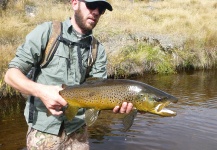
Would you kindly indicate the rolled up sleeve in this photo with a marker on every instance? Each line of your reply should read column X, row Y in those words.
column 30, row 51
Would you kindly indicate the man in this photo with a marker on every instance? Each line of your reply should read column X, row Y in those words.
column 68, row 66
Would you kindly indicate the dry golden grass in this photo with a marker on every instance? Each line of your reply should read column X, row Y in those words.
column 187, row 17
column 193, row 19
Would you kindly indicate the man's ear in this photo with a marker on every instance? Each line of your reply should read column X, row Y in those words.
column 74, row 4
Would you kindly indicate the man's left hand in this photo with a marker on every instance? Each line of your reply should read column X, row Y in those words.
column 125, row 108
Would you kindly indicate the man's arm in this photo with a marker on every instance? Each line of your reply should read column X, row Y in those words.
column 48, row 94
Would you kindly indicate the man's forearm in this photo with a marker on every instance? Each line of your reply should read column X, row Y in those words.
column 15, row 78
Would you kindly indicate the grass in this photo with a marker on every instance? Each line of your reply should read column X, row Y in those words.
column 192, row 19
column 195, row 20
column 141, row 58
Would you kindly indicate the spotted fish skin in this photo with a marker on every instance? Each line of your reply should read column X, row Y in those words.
column 104, row 94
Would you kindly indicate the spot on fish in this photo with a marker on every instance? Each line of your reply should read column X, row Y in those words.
column 91, row 94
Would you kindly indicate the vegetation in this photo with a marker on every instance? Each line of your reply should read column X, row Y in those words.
column 193, row 20
column 142, row 58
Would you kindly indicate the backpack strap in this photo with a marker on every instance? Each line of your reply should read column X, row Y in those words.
column 52, row 44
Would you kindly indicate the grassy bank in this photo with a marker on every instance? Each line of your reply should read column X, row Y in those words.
column 191, row 20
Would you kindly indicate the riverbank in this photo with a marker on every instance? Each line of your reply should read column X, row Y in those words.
column 141, row 36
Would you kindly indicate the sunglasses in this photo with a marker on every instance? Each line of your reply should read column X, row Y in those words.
column 94, row 5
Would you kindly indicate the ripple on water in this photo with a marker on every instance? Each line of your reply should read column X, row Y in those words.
column 192, row 128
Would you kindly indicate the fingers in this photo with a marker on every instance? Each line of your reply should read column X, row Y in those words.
column 55, row 112
column 129, row 108
column 57, row 109
column 116, row 109
column 125, row 108
column 60, row 100
column 53, row 100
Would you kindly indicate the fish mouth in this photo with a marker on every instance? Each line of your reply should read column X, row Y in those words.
column 161, row 110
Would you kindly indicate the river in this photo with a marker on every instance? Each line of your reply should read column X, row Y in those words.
column 194, row 127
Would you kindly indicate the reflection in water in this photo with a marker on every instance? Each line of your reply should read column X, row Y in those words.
column 194, row 127
column 12, row 124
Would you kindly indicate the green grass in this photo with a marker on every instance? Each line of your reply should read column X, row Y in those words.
column 140, row 59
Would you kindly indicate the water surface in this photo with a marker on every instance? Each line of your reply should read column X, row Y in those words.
column 194, row 127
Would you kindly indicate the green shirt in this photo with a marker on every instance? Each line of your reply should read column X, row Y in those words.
column 68, row 66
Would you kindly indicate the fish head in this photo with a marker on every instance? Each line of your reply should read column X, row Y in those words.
column 157, row 104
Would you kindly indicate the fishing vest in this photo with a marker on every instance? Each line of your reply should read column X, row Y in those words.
column 48, row 54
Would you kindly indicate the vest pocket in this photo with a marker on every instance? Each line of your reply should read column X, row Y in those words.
column 56, row 69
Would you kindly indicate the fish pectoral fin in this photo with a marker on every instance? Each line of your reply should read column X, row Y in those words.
column 129, row 119
column 70, row 112
column 91, row 116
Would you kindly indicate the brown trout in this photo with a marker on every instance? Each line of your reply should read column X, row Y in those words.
column 105, row 94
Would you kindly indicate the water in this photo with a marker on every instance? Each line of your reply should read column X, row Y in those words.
column 194, row 127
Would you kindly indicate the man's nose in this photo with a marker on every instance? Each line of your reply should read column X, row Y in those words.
column 96, row 11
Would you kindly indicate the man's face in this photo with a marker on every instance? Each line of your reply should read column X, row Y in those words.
column 85, row 18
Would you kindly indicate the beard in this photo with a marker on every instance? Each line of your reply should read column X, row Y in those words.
column 83, row 23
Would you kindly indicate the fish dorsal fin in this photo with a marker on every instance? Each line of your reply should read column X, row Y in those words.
column 70, row 112
column 91, row 116
column 129, row 119
column 93, row 79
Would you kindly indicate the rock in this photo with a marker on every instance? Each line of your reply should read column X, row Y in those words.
column 3, row 4
column 30, row 10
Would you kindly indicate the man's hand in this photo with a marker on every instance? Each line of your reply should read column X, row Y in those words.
column 51, row 99
column 47, row 93
column 125, row 108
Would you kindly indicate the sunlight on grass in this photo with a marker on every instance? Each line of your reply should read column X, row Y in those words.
column 193, row 20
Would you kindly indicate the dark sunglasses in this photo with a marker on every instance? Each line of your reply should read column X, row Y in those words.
column 94, row 5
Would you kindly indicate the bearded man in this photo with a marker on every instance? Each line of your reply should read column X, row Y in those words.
column 68, row 66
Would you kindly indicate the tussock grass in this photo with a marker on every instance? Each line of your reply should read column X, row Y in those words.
column 141, row 58
column 185, row 17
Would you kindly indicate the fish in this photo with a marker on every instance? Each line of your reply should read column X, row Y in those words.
column 105, row 94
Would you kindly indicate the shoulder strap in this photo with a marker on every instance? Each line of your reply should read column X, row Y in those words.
column 56, row 38
column 92, row 55
column 52, row 44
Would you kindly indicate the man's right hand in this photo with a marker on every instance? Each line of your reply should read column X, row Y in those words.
column 49, row 95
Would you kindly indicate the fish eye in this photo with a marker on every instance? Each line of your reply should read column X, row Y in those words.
column 153, row 97
column 158, row 99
